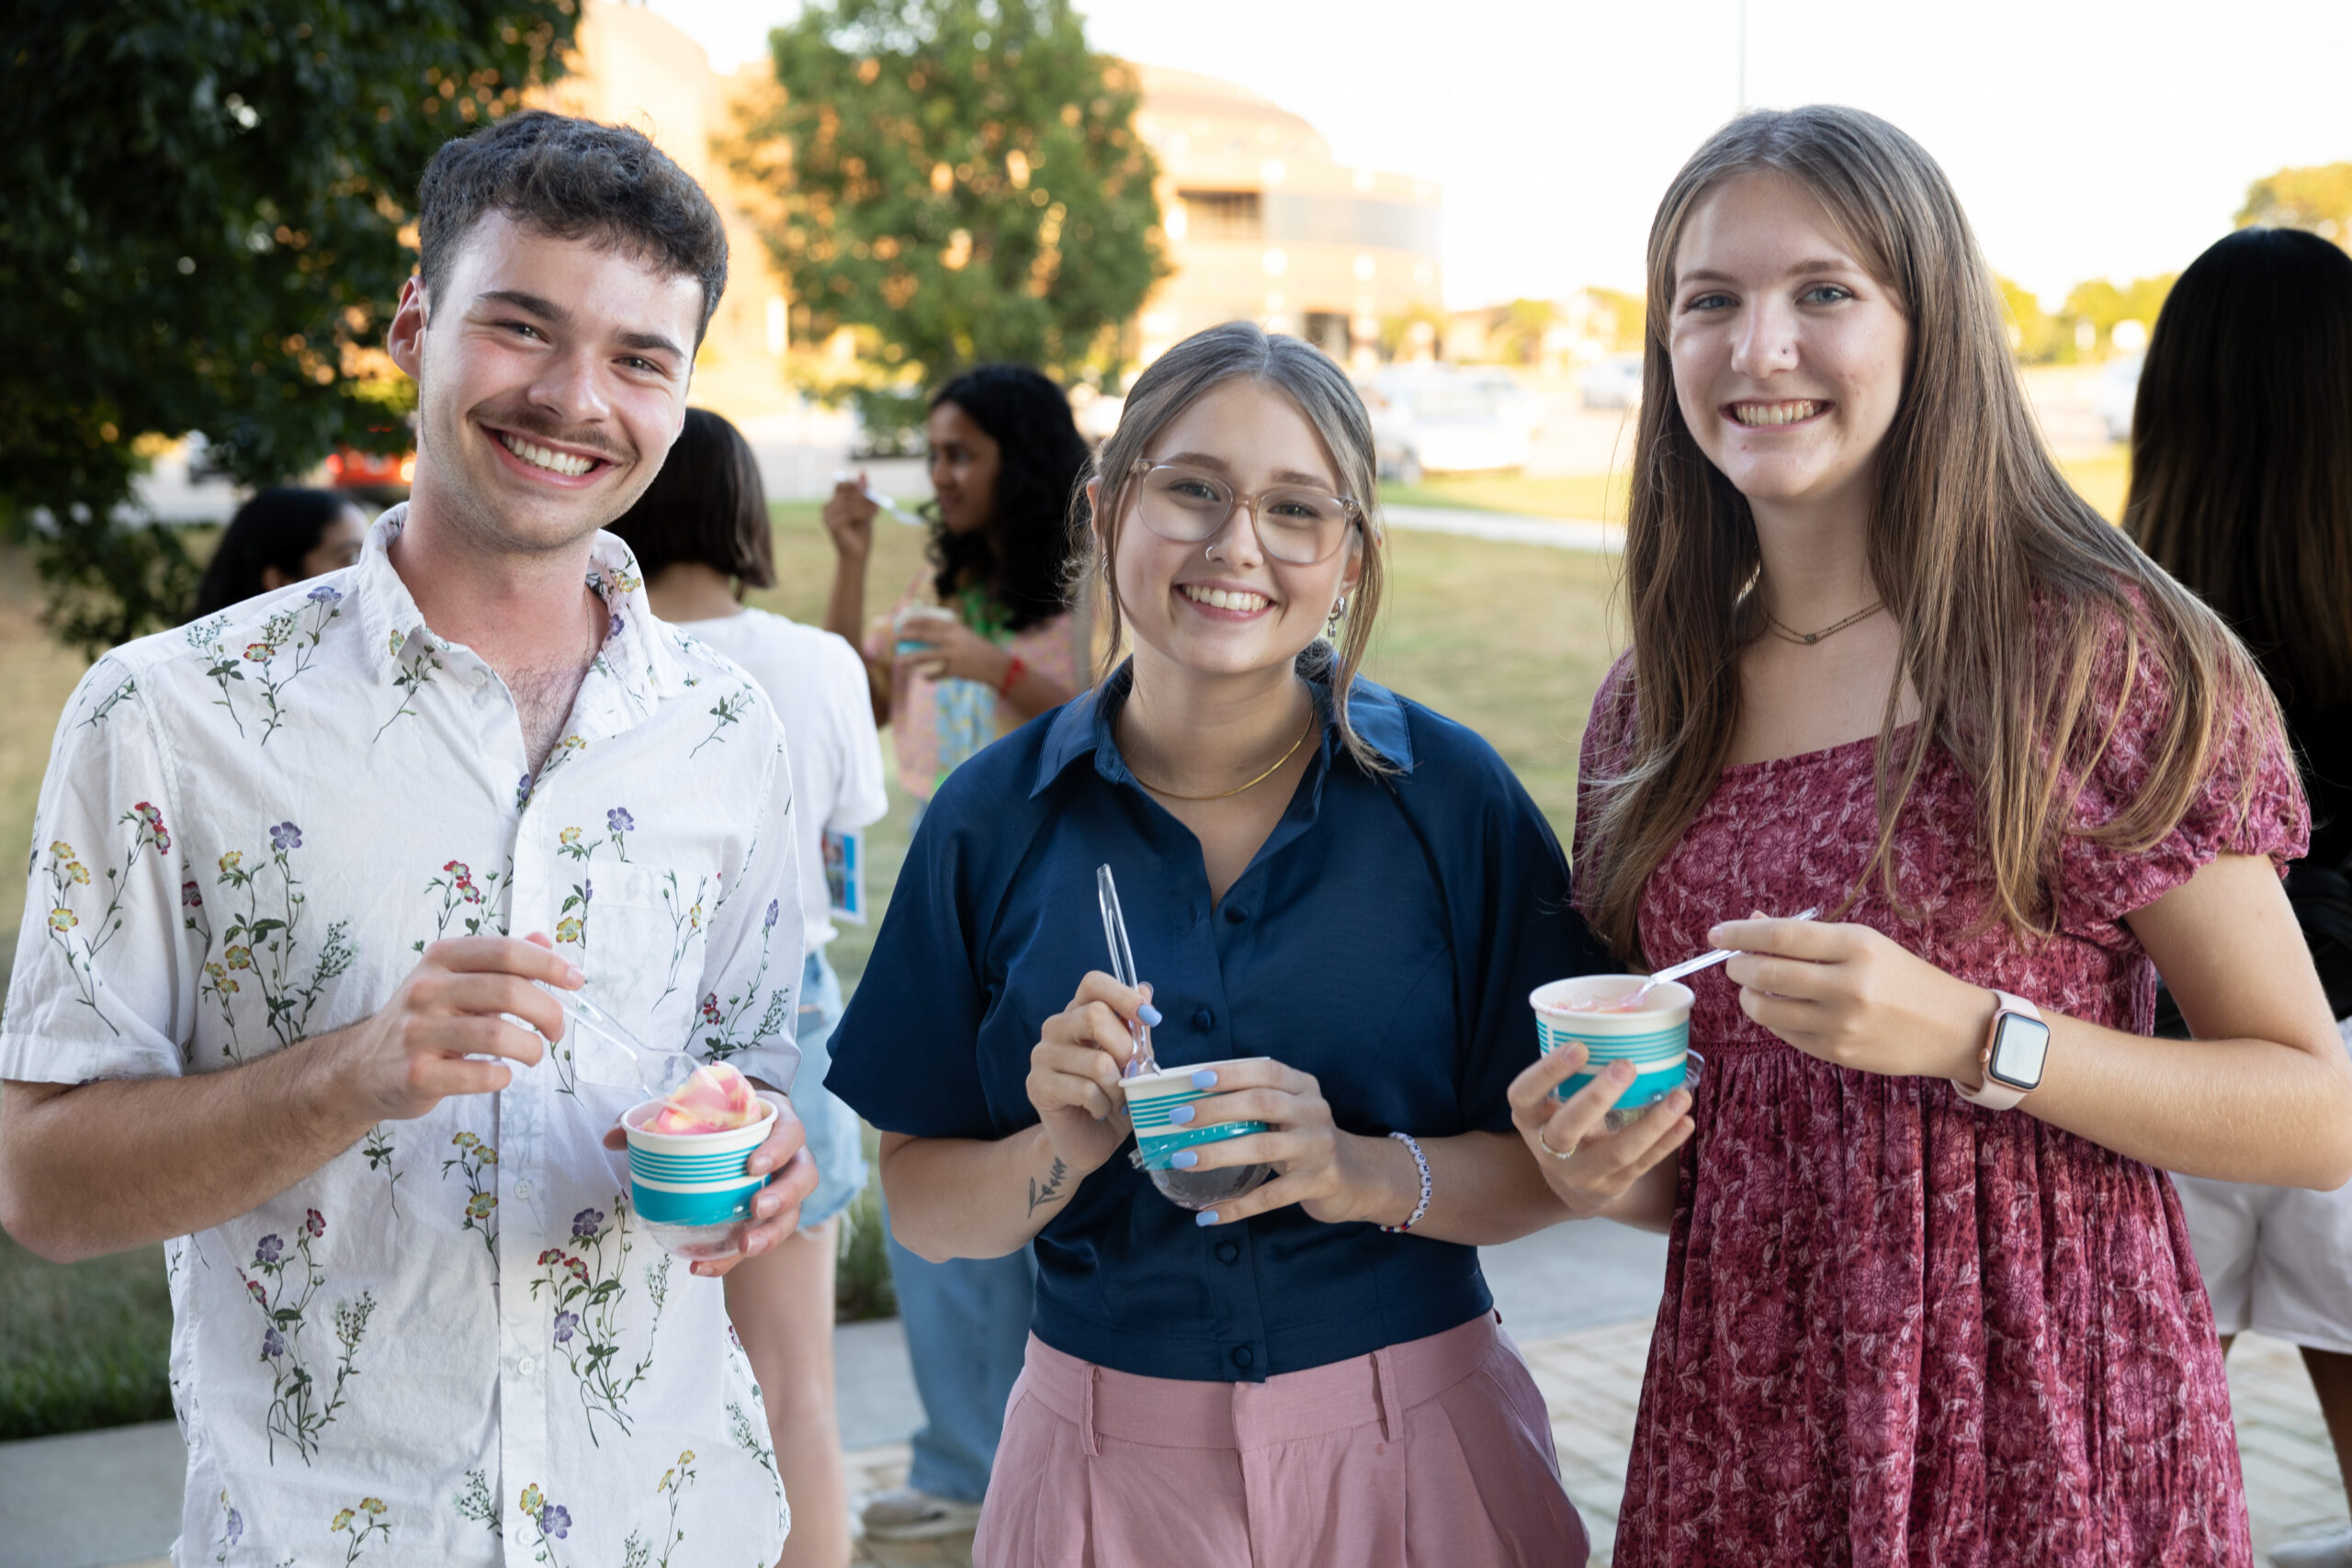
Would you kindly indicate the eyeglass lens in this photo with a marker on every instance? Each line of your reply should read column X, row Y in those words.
column 1300, row 527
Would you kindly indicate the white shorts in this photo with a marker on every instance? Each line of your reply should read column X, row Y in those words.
column 2277, row 1260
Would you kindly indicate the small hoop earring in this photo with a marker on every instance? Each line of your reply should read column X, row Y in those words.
column 1332, row 622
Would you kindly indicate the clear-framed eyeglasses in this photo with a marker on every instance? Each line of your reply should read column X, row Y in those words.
column 1296, row 524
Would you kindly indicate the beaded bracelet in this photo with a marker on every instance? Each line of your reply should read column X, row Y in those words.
column 1013, row 672
column 1420, row 1160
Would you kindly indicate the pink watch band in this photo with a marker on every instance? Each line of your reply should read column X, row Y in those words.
column 1994, row 1095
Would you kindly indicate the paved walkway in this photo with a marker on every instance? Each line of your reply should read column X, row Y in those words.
column 1577, row 1299
column 1559, row 533
column 1592, row 1379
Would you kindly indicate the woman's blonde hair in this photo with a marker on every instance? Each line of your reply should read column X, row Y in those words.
column 2008, row 589
column 1322, row 393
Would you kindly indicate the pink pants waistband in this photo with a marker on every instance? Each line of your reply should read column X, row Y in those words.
column 1177, row 1412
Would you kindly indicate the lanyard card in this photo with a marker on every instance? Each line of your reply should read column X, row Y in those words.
column 845, row 874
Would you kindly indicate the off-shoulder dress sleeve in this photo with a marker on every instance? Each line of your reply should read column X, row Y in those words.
column 2249, row 800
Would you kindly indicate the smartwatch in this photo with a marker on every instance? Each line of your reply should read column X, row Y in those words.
column 2015, row 1047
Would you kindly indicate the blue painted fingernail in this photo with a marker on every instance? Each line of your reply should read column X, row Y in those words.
column 1179, row 1116
column 1206, row 1217
column 1150, row 1014
column 1205, row 1078
column 1183, row 1159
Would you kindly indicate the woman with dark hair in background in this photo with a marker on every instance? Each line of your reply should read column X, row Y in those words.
column 978, row 643
column 2242, row 489
column 701, row 534
column 1005, row 458
column 280, row 537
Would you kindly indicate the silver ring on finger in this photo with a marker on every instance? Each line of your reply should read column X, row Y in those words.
column 1568, row 1153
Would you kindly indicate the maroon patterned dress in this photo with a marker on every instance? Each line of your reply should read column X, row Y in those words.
column 1898, row 1329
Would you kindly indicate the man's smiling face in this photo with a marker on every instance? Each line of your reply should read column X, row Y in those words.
column 551, row 378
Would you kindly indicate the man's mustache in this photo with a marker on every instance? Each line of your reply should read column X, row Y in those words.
column 531, row 427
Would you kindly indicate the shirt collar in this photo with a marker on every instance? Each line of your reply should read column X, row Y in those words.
column 1083, row 726
column 644, row 662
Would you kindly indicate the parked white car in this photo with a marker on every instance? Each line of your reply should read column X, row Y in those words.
column 1434, row 419
column 2119, row 389
column 1612, row 383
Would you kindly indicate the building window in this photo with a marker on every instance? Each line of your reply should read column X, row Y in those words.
column 1222, row 214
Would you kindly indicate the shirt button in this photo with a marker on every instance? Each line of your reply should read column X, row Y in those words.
column 1204, row 1020
column 1236, row 914
column 1226, row 1252
column 523, row 1189
column 1243, row 1355
column 525, row 1366
column 481, row 679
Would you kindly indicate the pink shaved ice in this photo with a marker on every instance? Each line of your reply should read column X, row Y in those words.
column 716, row 1098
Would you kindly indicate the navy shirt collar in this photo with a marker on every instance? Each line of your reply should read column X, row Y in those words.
column 1083, row 725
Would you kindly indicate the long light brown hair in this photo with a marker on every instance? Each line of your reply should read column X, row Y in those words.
column 2242, row 451
column 1322, row 393
column 2008, row 588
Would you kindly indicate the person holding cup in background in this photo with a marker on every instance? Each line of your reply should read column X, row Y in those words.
column 979, row 643
column 702, row 535
column 1340, row 902
column 1928, row 1297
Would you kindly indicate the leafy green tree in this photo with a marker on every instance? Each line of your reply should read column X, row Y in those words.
column 2318, row 198
column 1517, row 338
column 1628, row 318
column 963, row 179
column 2103, row 305
column 2035, row 336
column 202, row 207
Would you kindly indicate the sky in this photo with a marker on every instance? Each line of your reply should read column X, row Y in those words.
column 2087, row 137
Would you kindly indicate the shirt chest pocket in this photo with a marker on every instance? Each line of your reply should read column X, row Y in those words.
column 646, row 931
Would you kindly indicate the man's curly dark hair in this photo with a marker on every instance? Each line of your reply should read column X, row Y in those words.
column 1041, row 459
column 577, row 180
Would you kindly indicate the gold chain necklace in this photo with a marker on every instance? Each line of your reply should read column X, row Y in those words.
column 1253, row 783
column 1806, row 639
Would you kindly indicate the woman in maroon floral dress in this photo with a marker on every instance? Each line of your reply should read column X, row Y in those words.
column 1886, row 663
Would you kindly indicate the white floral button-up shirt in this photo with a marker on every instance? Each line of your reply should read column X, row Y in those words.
column 454, row 1343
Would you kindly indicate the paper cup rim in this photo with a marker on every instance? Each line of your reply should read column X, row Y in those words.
column 1182, row 1077
column 1545, row 998
column 700, row 1143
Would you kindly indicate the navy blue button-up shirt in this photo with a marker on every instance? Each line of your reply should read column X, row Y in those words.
column 1383, row 939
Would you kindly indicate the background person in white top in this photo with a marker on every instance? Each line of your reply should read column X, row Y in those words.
column 275, row 1005
column 702, row 533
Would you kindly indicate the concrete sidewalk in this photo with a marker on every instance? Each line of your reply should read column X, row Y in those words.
column 1592, row 1381
column 1578, row 1299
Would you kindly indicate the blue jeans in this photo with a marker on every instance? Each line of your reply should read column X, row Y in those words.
column 834, row 1131
column 967, row 1327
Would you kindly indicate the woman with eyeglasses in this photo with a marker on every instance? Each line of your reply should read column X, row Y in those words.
column 1338, row 902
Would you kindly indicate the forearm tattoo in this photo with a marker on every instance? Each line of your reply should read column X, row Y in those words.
column 1051, row 1189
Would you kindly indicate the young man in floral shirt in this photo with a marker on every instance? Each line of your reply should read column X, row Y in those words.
column 304, row 875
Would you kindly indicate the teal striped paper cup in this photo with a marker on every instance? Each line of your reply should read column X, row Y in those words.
column 1656, row 1040
column 1153, row 1098
column 692, row 1190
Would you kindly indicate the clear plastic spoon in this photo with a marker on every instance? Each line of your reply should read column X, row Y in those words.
column 670, row 1067
column 910, row 519
column 1706, row 960
column 1123, row 967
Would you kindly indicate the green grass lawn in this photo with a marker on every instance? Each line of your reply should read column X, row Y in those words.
column 84, row 1346
column 1600, row 496
column 2102, row 482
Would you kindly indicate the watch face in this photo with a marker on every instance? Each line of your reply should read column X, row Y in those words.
column 2017, row 1051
